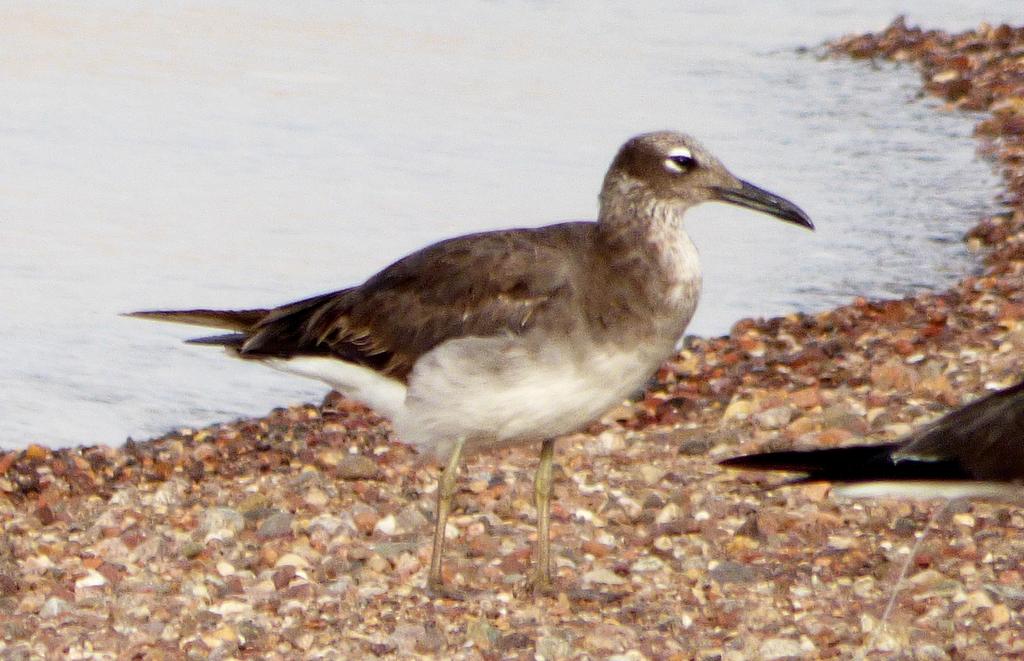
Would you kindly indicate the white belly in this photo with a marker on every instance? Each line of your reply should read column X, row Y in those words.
column 497, row 392
column 493, row 392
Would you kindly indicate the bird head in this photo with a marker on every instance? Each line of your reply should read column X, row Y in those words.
column 671, row 170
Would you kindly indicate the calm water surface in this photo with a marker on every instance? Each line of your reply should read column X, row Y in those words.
column 230, row 154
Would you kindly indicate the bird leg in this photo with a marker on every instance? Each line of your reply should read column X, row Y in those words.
column 445, row 491
column 542, row 583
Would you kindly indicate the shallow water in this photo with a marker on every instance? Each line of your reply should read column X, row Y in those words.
column 245, row 154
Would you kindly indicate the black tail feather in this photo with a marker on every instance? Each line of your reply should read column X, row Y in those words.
column 229, row 340
column 808, row 461
column 236, row 320
column 859, row 463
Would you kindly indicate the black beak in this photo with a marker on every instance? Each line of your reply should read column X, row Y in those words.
column 750, row 196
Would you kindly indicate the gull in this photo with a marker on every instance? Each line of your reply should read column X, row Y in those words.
column 976, row 451
column 516, row 336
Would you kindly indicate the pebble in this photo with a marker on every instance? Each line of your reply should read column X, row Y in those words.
column 482, row 634
column 394, row 549
column 92, row 579
column 551, row 647
column 255, row 506
column 356, row 467
column 738, row 409
column 387, row 525
column 36, row 453
column 733, row 572
column 773, row 418
column 668, row 514
column 340, row 586
column 231, row 608
column 276, row 525
column 330, row 457
column 406, row 637
column 694, row 446
column 841, row 543
column 806, row 398
column 407, row 565
column 364, row 517
column 377, row 563
column 292, row 560
column 328, row 522
column 1000, row 615
column 53, row 607
column 606, row 443
column 662, row 543
column 648, row 564
column 780, row 648
column 191, row 549
column 651, row 475
column 411, row 519
column 221, row 522
column 603, row 577
column 316, row 498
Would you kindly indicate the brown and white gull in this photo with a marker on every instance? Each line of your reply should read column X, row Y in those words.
column 516, row 336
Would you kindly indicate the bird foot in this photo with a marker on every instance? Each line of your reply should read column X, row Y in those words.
column 537, row 585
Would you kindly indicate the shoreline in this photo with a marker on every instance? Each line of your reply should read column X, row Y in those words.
column 305, row 532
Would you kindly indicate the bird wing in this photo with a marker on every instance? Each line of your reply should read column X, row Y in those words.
column 983, row 441
column 985, row 437
column 478, row 285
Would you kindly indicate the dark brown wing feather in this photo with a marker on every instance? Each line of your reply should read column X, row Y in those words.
column 985, row 437
column 981, row 441
column 477, row 285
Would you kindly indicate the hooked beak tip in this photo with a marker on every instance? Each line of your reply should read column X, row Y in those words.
column 755, row 198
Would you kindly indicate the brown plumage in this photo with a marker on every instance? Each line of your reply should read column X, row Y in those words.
column 503, row 281
column 514, row 336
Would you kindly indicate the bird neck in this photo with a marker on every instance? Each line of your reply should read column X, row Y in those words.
column 652, row 268
column 636, row 226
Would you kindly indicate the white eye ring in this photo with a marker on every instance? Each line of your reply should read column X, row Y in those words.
column 672, row 166
column 679, row 159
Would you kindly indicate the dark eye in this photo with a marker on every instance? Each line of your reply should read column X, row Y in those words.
column 678, row 163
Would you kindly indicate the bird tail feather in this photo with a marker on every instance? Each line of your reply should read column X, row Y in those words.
column 235, row 320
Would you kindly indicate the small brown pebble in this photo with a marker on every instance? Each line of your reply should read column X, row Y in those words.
column 8, row 585
column 283, row 576
column 513, row 641
column 276, row 525
column 694, row 446
column 595, row 549
column 482, row 634
column 36, row 453
column 750, row 529
column 432, row 640
column 734, row 572
column 46, row 515
column 365, row 518
column 356, row 467
column 806, row 398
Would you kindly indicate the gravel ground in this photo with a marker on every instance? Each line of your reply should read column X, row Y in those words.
column 306, row 534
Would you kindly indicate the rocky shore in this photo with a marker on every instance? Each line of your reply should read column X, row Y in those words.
column 306, row 534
